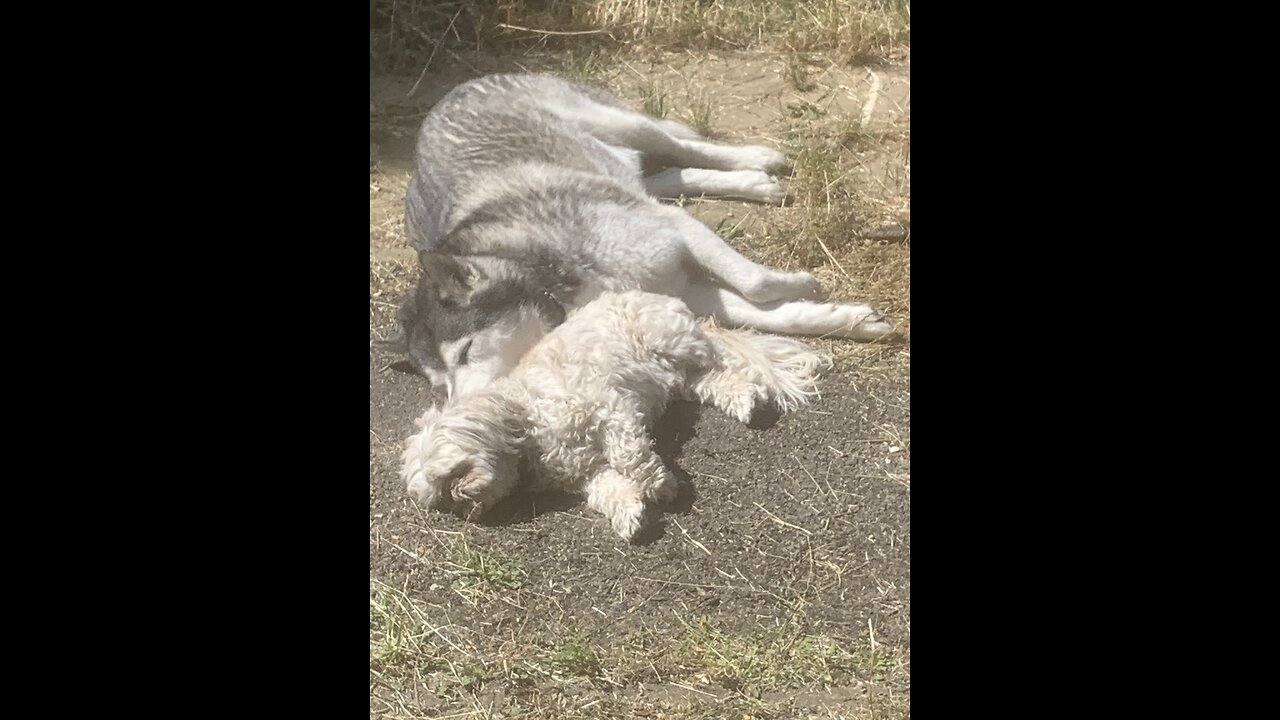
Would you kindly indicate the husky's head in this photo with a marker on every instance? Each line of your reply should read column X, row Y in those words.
column 466, row 454
column 472, row 318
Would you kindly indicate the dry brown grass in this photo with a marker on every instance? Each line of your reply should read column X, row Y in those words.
column 832, row 212
column 404, row 33
column 550, row 668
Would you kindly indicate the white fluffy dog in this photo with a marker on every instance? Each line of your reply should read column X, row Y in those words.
column 579, row 406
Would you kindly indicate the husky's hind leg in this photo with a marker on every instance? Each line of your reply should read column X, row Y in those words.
column 678, row 130
column 855, row 322
column 665, row 144
column 755, row 185
column 752, row 280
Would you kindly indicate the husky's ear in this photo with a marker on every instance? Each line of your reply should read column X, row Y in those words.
column 550, row 309
column 398, row 340
column 453, row 277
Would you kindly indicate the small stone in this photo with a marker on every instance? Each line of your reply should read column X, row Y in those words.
column 887, row 231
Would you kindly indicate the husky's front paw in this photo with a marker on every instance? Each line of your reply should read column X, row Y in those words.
column 860, row 322
column 869, row 330
column 758, row 157
column 757, row 185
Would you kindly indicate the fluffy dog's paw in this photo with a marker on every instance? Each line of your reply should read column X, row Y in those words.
column 666, row 490
column 474, row 489
column 742, row 404
column 628, row 519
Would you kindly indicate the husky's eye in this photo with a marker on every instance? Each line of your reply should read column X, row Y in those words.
column 462, row 355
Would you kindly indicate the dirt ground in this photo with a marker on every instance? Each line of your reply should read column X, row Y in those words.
column 778, row 585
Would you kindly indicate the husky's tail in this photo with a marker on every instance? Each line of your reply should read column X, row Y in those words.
column 754, row 369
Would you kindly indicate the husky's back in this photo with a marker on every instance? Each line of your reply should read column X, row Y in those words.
column 510, row 139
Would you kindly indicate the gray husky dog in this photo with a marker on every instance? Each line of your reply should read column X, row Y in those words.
column 533, row 195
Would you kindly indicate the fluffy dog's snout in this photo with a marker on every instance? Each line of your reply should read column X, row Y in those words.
column 450, row 482
column 470, row 486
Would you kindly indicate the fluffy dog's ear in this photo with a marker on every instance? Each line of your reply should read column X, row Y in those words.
column 453, row 277
column 513, row 418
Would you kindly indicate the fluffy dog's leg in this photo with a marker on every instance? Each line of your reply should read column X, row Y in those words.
column 659, row 483
column 755, row 369
column 629, row 451
column 618, row 498
column 636, row 476
column 856, row 322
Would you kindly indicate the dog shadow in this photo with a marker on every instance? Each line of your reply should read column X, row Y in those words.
column 523, row 505
column 677, row 426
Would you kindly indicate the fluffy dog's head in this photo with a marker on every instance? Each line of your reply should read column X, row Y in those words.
column 467, row 454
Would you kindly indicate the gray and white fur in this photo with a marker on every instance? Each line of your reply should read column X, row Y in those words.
column 531, row 197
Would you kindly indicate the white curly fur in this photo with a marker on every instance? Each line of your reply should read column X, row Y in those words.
column 580, row 403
